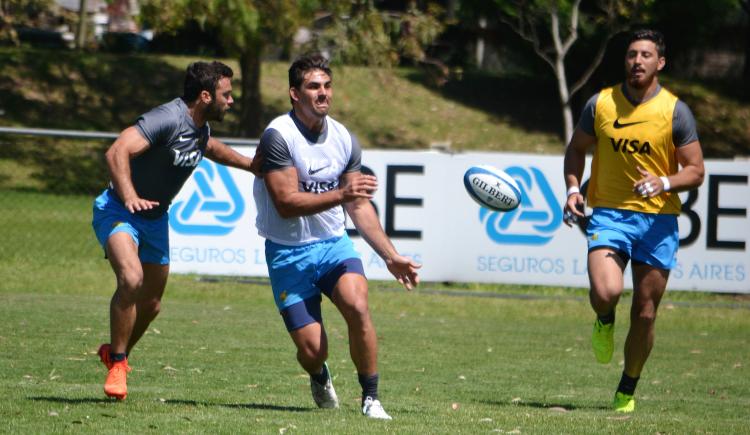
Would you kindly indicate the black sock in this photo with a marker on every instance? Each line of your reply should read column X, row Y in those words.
column 607, row 318
column 369, row 385
column 322, row 377
column 115, row 357
column 627, row 384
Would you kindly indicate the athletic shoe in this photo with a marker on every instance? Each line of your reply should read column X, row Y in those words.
column 603, row 342
column 116, row 384
column 324, row 395
column 623, row 402
column 373, row 409
column 104, row 355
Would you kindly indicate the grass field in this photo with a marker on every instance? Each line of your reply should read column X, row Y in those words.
column 453, row 358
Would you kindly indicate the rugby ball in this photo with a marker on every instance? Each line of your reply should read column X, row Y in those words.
column 492, row 188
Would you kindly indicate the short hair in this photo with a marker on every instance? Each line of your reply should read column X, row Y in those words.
column 305, row 63
column 654, row 36
column 203, row 76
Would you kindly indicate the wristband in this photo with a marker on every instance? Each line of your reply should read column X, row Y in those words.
column 573, row 189
column 665, row 182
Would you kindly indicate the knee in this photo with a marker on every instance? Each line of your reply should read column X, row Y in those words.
column 604, row 296
column 356, row 310
column 645, row 316
column 151, row 308
column 129, row 281
column 312, row 354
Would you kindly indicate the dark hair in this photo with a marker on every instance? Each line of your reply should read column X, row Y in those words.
column 654, row 36
column 305, row 63
column 203, row 76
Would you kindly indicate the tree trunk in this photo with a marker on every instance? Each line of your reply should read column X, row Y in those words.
column 562, row 87
column 81, row 32
column 251, row 114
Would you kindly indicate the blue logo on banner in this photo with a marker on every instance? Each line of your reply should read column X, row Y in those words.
column 544, row 216
column 203, row 203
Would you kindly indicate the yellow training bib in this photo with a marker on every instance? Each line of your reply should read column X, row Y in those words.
column 629, row 137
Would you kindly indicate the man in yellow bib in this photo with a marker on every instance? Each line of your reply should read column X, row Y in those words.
column 646, row 149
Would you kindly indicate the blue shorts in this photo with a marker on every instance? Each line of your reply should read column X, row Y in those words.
column 151, row 235
column 299, row 274
column 645, row 237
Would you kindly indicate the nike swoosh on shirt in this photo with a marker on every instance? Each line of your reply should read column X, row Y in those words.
column 627, row 124
column 312, row 171
column 184, row 139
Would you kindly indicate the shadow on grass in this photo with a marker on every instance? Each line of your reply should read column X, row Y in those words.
column 70, row 401
column 258, row 406
column 560, row 407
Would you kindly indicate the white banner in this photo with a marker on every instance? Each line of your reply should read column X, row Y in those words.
column 428, row 215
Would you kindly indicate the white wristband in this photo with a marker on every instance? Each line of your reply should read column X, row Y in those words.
column 665, row 182
column 573, row 189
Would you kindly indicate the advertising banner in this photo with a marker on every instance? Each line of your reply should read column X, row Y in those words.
column 425, row 210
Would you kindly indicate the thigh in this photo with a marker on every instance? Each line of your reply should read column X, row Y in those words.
column 292, row 271
column 154, row 235
column 659, row 242
column 606, row 267
column 350, row 293
column 310, row 337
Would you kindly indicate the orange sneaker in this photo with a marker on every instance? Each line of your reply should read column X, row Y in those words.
column 116, row 384
column 103, row 353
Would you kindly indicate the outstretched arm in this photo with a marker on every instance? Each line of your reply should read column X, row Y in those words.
column 221, row 153
column 127, row 146
column 366, row 221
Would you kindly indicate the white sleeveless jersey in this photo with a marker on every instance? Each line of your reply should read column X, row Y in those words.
column 320, row 161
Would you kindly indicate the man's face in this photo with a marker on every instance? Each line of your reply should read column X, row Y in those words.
column 315, row 93
column 222, row 100
column 642, row 63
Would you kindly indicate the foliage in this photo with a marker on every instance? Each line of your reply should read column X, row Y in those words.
column 360, row 34
column 20, row 13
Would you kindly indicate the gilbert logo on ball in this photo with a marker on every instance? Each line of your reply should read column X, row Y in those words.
column 492, row 188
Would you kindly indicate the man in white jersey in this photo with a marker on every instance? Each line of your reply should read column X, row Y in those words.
column 148, row 164
column 311, row 169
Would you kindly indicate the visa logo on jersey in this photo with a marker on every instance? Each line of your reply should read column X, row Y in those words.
column 187, row 158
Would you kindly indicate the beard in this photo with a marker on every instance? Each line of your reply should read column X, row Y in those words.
column 215, row 113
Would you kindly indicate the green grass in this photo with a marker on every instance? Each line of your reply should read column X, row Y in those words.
column 219, row 360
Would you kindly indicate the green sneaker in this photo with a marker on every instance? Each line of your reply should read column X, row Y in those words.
column 603, row 342
column 623, row 402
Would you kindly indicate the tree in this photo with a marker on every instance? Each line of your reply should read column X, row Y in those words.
column 246, row 28
column 19, row 13
column 552, row 27
column 362, row 34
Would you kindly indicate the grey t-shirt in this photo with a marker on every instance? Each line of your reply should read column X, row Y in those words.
column 176, row 148
column 683, row 123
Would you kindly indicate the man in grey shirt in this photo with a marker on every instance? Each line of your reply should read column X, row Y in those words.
column 148, row 164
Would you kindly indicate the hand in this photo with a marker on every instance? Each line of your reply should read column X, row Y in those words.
column 573, row 210
column 362, row 186
column 405, row 270
column 649, row 185
column 139, row 204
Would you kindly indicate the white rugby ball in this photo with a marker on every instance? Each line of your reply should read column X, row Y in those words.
column 492, row 188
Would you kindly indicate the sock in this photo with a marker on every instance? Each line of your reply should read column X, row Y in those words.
column 369, row 385
column 322, row 377
column 116, row 357
column 627, row 384
column 607, row 318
